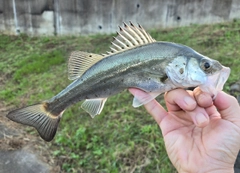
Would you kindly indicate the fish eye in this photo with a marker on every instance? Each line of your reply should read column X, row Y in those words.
column 206, row 65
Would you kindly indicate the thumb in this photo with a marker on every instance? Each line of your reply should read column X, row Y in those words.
column 228, row 107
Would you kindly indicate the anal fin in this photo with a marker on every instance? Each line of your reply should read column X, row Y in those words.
column 144, row 98
column 94, row 106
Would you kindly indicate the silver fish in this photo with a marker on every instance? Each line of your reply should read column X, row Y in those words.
column 135, row 60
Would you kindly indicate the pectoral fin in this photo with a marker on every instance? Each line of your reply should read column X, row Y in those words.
column 144, row 98
column 94, row 106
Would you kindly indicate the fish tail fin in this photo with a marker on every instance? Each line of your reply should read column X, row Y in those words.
column 39, row 117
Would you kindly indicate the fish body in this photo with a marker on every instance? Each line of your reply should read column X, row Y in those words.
column 135, row 61
column 117, row 72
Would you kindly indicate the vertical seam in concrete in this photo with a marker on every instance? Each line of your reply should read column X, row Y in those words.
column 30, row 18
column 15, row 16
column 57, row 18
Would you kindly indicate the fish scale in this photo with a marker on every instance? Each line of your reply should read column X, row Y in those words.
column 110, row 70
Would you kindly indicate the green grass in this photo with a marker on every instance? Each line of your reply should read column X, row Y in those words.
column 121, row 139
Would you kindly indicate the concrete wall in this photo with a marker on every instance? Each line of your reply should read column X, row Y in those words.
column 61, row 17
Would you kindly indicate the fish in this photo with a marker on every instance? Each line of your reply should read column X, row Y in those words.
column 135, row 60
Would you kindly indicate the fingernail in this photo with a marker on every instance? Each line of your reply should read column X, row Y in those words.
column 189, row 100
column 201, row 119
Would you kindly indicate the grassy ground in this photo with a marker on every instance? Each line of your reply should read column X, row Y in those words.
column 121, row 139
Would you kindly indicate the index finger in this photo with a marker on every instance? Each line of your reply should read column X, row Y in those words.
column 203, row 99
column 152, row 107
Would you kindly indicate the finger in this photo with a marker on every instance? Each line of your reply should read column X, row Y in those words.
column 203, row 99
column 179, row 99
column 228, row 107
column 156, row 110
column 213, row 112
column 152, row 107
column 199, row 117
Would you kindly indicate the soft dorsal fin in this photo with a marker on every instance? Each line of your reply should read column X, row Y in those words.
column 79, row 62
column 128, row 37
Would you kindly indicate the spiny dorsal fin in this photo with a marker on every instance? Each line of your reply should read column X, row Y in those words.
column 79, row 62
column 128, row 37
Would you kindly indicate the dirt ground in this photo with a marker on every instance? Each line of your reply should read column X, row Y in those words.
column 14, row 136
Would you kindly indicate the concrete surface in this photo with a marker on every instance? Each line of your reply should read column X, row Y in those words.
column 18, row 153
column 73, row 17
column 235, row 90
column 21, row 161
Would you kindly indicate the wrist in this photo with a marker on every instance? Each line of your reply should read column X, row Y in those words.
column 211, row 171
column 223, row 171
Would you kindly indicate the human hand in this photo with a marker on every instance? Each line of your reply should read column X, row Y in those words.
column 200, row 135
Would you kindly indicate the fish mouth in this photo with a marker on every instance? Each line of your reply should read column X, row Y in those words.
column 215, row 83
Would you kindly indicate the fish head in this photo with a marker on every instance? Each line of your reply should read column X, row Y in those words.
column 193, row 69
column 216, row 76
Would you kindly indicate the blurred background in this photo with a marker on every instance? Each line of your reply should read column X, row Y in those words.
column 77, row 17
column 36, row 38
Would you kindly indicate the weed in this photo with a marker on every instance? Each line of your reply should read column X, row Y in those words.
column 38, row 63
column 121, row 139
